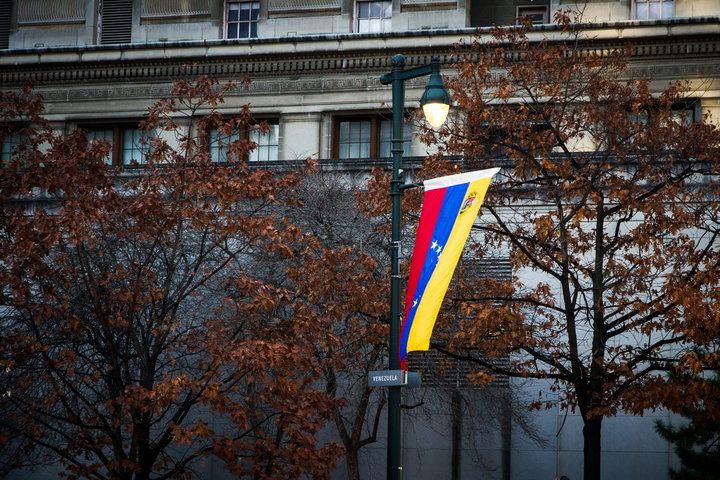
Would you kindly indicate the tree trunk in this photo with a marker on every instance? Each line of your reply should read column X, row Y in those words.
column 353, row 466
column 457, row 422
column 592, row 448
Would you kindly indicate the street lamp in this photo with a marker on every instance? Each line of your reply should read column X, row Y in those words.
column 436, row 104
column 435, row 101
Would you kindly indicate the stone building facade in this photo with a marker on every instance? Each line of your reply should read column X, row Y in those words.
column 315, row 67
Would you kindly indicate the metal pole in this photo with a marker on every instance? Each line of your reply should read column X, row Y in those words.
column 397, row 78
column 394, row 453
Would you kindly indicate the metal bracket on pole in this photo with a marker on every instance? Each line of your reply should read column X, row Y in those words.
column 406, row 186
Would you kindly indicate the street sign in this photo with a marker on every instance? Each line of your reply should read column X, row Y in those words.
column 393, row 378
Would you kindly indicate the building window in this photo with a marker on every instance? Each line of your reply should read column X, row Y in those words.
column 355, row 139
column 102, row 134
column 684, row 113
column 267, row 142
column 115, row 21
column 135, row 146
column 11, row 145
column 128, row 144
column 537, row 15
column 499, row 141
column 386, row 138
column 218, row 143
column 373, row 16
column 5, row 11
column 653, row 9
column 367, row 137
column 242, row 19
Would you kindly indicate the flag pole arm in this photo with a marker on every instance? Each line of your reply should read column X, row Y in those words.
column 406, row 186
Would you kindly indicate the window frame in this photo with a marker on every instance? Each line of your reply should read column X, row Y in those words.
column 250, row 22
column 376, row 134
column 246, row 134
column 688, row 111
column 117, row 143
column 634, row 7
column 14, row 139
column 254, row 156
column 386, row 22
column 495, row 132
column 544, row 10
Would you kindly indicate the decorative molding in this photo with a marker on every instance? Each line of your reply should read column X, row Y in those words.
column 342, row 63
column 660, row 58
column 316, row 84
column 174, row 8
column 30, row 12
column 289, row 6
column 159, row 91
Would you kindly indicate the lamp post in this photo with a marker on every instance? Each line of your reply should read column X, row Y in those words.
column 436, row 104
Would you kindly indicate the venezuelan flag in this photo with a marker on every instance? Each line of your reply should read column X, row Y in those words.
column 450, row 205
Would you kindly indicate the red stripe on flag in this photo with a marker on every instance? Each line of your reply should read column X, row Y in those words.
column 432, row 202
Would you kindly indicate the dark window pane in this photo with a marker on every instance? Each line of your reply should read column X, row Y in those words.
column 245, row 13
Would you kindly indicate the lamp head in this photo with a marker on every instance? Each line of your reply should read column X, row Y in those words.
column 435, row 101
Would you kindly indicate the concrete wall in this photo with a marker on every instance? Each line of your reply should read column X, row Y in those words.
column 632, row 450
column 620, row 10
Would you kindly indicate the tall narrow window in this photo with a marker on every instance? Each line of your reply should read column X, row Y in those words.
column 386, row 138
column 267, row 144
column 135, row 146
column 654, row 9
column 242, row 19
column 115, row 21
column 266, row 141
column 5, row 9
column 103, row 134
column 11, row 146
column 440, row 371
column 373, row 16
column 218, row 144
column 354, row 139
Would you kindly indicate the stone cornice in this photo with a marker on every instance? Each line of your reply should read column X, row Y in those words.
column 227, row 66
column 305, row 58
